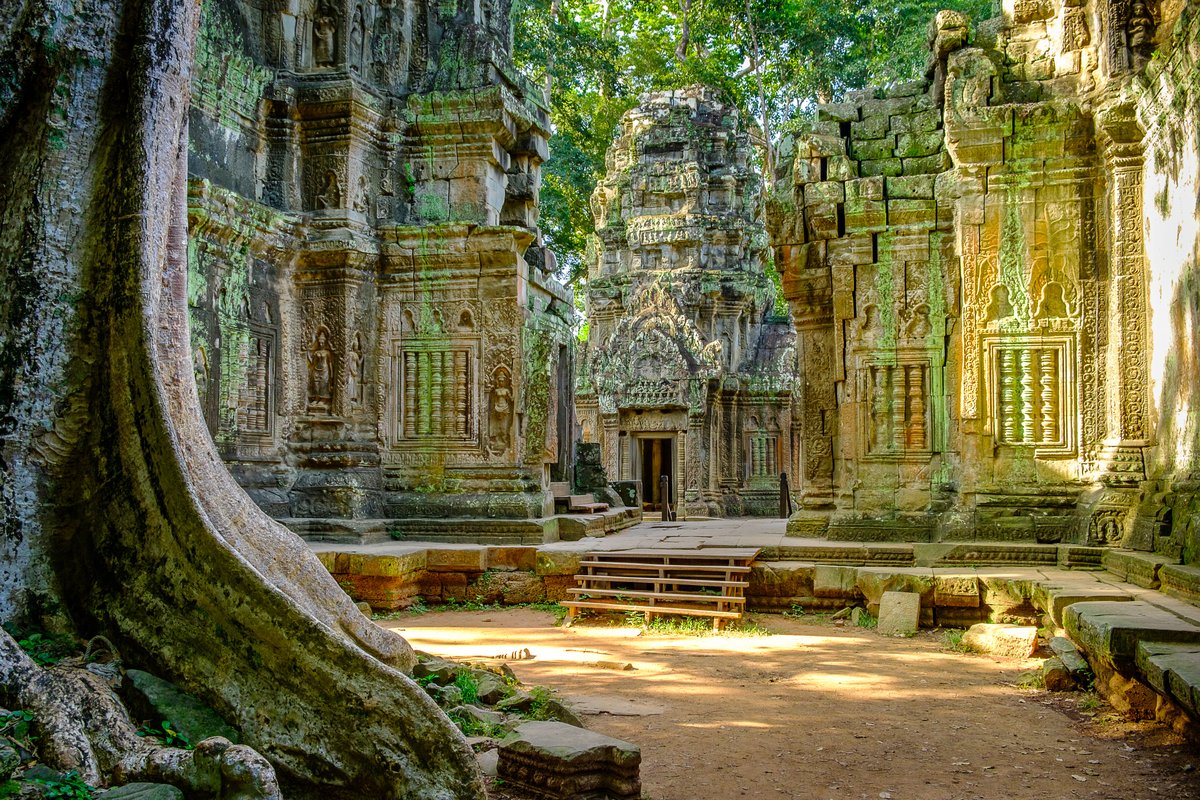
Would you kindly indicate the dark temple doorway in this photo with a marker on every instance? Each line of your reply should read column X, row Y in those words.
column 657, row 460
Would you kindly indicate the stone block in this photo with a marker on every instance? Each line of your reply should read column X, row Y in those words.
column 1056, row 677
column 916, row 187
column 456, row 559
column 912, row 213
column 899, row 613
column 556, row 761
column 923, row 165
column 918, row 122
column 1007, row 641
column 875, row 582
column 512, row 558
column 907, row 88
column 838, row 112
column 1181, row 581
column 1111, row 631
column 777, row 585
column 850, row 251
column 557, row 562
column 955, row 591
column 872, row 149
column 1066, row 652
column 391, row 566
column 888, row 106
column 835, row 581
column 824, row 192
column 1054, row 597
column 887, row 166
column 1172, row 670
column 914, row 145
column 874, row 127
column 841, row 168
column 822, row 221
column 142, row 791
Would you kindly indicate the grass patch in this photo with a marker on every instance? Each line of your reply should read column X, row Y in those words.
column 867, row 620
column 1034, row 679
column 1090, row 703
column 469, row 687
column 952, row 640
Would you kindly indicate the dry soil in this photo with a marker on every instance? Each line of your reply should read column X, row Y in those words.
column 813, row 709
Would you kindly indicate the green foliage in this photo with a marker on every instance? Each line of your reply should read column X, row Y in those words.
column 770, row 58
column 69, row 787
column 469, row 687
column 166, row 733
column 1033, row 679
column 44, row 648
column 952, row 639
column 17, row 728
column 867, row 620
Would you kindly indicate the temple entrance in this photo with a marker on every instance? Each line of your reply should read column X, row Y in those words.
column 656, row 460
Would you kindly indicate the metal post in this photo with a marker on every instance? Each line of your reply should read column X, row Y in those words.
column 785, row 497
column 664, row 488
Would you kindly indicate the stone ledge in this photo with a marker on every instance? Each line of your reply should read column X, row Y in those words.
column 1181, row 581
column 1111, row 631
column 1130, row 566
column 1172, row 670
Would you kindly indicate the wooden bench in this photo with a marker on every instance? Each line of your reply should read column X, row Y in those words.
column 574, row 503
column 701, row 583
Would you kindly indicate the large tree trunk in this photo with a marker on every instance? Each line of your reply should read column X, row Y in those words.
column 118, row 515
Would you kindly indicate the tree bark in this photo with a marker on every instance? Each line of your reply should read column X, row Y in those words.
column 118, row 516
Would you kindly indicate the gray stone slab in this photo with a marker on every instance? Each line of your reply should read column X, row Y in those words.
column 1111, row 631
column 1172, row 670
column 561, row 762
column 899, row 613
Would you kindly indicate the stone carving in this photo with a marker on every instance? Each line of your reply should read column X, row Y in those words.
column 500, row 411
column 324, row 39
column 369, row 390
column 320, row 372
column 330, row 195
column 680, row 311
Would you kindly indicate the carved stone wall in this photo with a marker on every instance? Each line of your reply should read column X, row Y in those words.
column 682, row 341
column 966, row 263
column 375, row 324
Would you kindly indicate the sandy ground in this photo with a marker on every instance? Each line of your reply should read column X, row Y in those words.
column 818, row 711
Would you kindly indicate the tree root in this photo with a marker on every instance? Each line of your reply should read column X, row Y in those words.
column 83, row 727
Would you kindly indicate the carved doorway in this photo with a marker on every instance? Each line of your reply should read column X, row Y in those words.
column 656, row 458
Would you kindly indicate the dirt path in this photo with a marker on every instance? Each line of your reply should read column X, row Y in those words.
column 816, row 711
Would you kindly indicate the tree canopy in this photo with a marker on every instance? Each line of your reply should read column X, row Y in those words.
column 774, row 59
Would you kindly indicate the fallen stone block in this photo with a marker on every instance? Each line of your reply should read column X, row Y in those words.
column 1172, row 670
column 555, row 761
column 1066, row 652
column 1056, row 677
column 899, row 613
column 1007, row 641
column 142, row 791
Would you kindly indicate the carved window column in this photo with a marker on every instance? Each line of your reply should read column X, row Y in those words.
column 1129, row 384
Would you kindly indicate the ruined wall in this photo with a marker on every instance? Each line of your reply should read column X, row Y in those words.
column 1169, row 109
column 682, row 344
column 376, row 332
column 968, row 271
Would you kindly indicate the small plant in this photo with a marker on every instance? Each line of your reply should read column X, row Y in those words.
column 69, row 787
column 867, row 620
column 952, row 639
column 1090, row 703
column 1032, row 680
column 469, row 687
column 16, row 726
column 44, row 648
column 166, row 733
column 796, row 611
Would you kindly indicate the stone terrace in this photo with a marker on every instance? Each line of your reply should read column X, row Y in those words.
column 1135, row 615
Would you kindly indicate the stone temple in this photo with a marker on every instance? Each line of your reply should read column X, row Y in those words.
column 980, row 267
column 687, row 373
column 379, row 342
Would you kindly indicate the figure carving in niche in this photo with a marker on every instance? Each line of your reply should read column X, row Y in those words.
column 320, row 371
column 354, row 387
column 357, row 33
column 465, row 322
column 1139, row 34
column 324, row 37
column 361, row 202
column 407, row 322
column 1052, row 305
column 500, row 411
column 330, row 195
column 919, row 327
column 999, row 306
